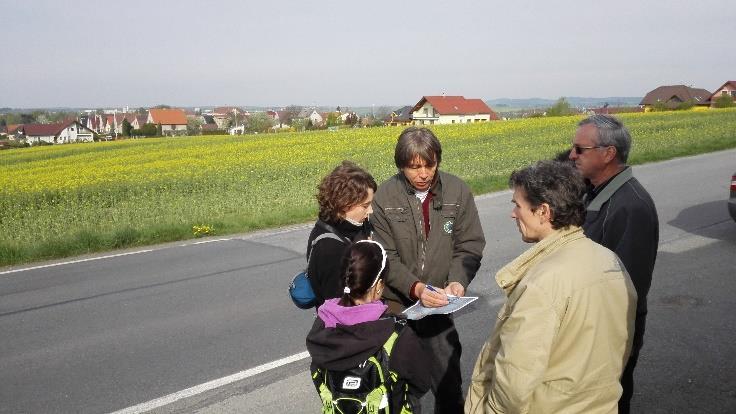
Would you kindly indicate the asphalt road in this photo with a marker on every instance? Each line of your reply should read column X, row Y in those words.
column 191, row 327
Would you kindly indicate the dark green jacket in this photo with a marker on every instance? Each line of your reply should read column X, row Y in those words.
column 451, row 253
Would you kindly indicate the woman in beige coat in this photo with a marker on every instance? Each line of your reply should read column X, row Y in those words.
column 563, row 335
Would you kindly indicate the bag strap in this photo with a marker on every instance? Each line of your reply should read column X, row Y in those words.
column 322, row 237
column 332, row 230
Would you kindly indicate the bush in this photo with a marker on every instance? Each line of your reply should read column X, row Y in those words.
column 724, row 101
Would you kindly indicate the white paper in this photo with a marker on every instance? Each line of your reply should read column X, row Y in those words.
column 417, row 311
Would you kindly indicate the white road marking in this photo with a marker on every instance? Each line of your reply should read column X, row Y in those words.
column 74, row 261
column 690, row 242
column 207, row 241
column 207, row 386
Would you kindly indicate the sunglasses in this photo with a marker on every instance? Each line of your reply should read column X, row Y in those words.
column 579, row 150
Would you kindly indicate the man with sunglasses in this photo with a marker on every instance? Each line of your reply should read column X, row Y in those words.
column 620, row 215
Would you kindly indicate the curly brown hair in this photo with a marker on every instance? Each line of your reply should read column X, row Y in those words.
column 346, row 186
column 556, row 183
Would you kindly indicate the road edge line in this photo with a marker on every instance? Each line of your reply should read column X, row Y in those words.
column 207, row 386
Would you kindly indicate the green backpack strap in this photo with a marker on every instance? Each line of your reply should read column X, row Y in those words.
column 318, row 377
column 376, row 399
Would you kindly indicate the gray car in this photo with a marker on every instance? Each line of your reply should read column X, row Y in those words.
column 732, row 199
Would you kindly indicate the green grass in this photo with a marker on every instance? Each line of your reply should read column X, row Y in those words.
column 58, row 201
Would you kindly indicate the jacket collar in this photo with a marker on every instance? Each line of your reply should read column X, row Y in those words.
column 609, row 189
column 511, row 274
column 435, row 189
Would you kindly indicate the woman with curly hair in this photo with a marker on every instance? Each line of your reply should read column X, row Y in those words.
column 345, row 196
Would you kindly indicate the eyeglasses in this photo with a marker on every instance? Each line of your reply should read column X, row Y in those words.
column 579, row 150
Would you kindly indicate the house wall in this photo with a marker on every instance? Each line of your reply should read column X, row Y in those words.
column 728, row 90
column 39, row 138
column 173, row 129
column 315, row 118
column 74, row 133
column 426, row 115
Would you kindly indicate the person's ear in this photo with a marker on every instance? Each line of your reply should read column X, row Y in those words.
column 610, row 154
column 545, row 213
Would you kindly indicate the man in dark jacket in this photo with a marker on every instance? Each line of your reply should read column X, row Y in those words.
column 620, row 215
column 428, row 222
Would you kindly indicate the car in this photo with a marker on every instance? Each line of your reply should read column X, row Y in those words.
column 732, row 199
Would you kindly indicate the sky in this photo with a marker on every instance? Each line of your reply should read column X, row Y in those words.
column 96, row 54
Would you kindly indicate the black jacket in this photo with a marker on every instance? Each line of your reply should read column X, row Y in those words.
column 626, row 222
column 345, row 347
column 325, row 265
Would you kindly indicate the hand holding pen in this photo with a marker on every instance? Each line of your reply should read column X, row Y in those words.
column 432, row 297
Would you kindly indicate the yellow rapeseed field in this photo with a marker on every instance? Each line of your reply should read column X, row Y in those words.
column 67, row 199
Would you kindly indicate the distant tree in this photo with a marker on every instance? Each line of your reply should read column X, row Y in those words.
column 351, row 119
column 382, row 112
column 162, row 107
column 194, row 126
column 333, row 119
column 299, row 124
column 27, row 119
column 127, row 128
column 560, row 108
column 685, row 105
column 259, row 122
column 289, row 113
column 141, row 111
column 724, row 101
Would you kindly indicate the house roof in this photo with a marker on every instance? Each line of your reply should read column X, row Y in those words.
column 677, row 93
column 455, row 105
column 728, row 83
column 227, row 110
column 401, row 114
column 168, row 116
column 44, row 130
column 11, row 128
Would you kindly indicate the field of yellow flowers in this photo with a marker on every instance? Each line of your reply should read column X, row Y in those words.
column 69, row 199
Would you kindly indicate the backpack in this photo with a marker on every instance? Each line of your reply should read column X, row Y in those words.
column 367, row 388
column 300, row 288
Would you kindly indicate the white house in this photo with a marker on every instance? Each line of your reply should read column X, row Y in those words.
column 432, row 110
column 59, row 133
column 315, row 117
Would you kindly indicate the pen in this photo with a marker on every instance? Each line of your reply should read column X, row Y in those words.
column 431, row 288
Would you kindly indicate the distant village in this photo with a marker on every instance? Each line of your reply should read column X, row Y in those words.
column 21, row 130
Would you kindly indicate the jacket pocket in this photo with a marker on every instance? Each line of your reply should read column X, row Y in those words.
column 449, row 210
column 395, row 214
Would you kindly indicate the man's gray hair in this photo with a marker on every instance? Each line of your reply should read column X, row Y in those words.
column 611, row 132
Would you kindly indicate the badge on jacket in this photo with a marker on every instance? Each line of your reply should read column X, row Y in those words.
column 448, row 226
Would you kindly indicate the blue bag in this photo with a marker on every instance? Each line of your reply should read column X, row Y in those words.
column 301, row 292
column 300, row 288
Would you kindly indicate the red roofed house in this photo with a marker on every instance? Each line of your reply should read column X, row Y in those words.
column 172, row 121
column 60, row 133
column 432, row 110
column 728, row 88
column 671, row 96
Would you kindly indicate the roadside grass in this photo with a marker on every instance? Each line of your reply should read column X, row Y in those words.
column 58, row 201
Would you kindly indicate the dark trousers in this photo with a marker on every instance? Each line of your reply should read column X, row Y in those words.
column 440, row 338
column 627, row 378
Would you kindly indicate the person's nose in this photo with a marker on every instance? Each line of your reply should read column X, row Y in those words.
column 573, row 154
column 370, row 210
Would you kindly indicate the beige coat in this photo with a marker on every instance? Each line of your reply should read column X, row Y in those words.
column 562, row 337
